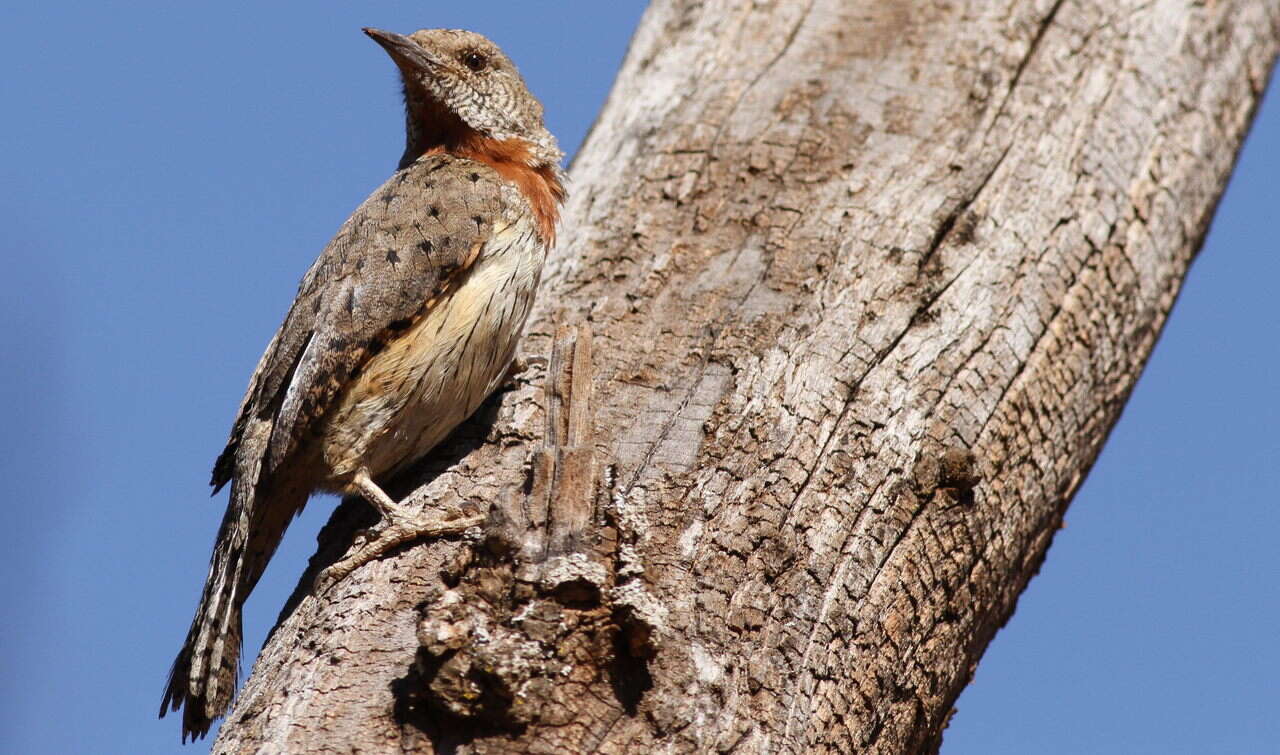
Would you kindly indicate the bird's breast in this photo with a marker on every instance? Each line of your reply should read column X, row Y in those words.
column 425, row 382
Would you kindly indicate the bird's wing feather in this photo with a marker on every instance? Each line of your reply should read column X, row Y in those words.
column 397, row 251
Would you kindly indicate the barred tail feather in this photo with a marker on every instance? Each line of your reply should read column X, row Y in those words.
column 204, row 674
column 203, row 678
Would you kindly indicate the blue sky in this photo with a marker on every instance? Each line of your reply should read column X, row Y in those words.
column 172, row 171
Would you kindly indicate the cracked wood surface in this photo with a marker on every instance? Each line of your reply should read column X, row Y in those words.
column 869, row 284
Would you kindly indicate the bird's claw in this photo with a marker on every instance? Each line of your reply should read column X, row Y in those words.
column 375, row 542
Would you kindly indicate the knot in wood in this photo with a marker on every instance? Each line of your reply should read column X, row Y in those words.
column 951, row 473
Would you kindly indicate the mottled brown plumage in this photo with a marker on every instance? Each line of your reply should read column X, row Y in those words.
column 404, row 324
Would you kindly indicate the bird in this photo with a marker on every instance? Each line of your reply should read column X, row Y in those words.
column 404, row 324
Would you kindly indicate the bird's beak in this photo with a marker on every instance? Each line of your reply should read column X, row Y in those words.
column 407, row 54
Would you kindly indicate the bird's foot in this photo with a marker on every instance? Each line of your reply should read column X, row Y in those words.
column 398, row 526
column 518, row 366
column 382, row 538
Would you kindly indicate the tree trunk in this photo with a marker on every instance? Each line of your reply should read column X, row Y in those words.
column 848, row 298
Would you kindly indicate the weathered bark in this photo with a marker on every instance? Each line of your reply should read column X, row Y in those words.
column 860, row 288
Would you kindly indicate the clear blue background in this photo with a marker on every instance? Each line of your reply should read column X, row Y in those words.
column 169, row 172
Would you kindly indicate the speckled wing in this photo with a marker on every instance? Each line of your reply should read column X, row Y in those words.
column 398, row 251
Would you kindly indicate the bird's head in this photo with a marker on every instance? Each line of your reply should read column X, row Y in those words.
column 458, row 85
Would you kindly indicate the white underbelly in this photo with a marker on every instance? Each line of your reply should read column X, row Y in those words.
column 426, row 382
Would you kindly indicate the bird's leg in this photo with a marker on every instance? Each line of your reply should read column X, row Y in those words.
column 519, row 366
column 387, row 508
column 514, row 370
column 398, row 526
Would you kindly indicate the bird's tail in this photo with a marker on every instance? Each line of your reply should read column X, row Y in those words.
column 203, row 678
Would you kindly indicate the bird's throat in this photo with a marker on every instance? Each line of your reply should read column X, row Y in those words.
column 433, row 129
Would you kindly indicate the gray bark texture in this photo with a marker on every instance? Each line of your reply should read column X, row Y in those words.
column 849, row 295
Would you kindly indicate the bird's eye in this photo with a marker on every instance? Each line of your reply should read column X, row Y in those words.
column 474, row 60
